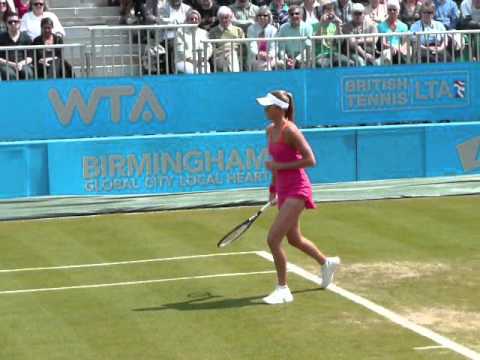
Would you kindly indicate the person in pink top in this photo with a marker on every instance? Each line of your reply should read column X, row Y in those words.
column 290, row 155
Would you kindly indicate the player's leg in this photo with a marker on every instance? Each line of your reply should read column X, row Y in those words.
column 296, row 239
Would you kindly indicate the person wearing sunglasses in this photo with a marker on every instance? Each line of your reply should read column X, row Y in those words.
column 429, row 48
column 362, row 48
column 293, row 53
column 31, row 20
column 261, row 54
column 15, row 64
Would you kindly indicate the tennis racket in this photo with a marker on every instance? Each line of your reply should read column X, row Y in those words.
column 238, row 230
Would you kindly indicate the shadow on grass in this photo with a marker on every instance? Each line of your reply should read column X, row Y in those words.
column 213, row 302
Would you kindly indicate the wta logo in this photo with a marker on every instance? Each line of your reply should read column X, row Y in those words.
column 469, row 153
column 146, row 106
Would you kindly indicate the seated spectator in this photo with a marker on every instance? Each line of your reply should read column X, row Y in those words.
column 15, row 64
column 344, row 10
column 3, row 9
column 362, row 49
column 189, row 52
column 261, row 54
column 292, row 53
column 328, row 51
column 470, row 14
column 22, row 6
column 279, row 10
column 429, row 48
column 309, row 11
column 50, row 62
column 31, row 20
column 409, row 11
column 393, row 49
column 244, row 13
column 208, row 11
column 376, row 11
column 226, row 55
column 447, row 12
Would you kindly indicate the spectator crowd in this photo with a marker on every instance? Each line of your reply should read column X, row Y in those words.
column 276, row 19
column 25, row 23
column 272, row 23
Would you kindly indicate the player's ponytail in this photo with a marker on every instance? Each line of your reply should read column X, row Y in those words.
column 288, row 98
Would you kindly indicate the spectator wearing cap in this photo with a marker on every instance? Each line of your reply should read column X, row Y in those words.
column 362, row 49
column 447, row 12
column 32, row 19
column 429, row 48
column 393, row 48
column 15, row 64
column 292, row 53
column 470, row 14
column 226, row 55
column 376, row 11
column 328, row 51
column 261, row 53
column 244, row 14
column 409, row 11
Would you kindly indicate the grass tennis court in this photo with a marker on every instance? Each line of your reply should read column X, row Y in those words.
column 155, row 298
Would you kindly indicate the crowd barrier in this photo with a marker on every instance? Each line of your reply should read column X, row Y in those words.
column 165, row 49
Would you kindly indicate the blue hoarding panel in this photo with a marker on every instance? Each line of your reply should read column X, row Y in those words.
column 452, row 150
column 390, row 154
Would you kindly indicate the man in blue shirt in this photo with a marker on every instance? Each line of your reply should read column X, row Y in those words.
column 293, row 52
column 447, row 12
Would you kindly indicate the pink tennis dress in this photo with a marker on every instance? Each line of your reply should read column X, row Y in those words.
column 293, row 182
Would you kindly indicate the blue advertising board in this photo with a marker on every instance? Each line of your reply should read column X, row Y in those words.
column 163, row 164
column 103, row 107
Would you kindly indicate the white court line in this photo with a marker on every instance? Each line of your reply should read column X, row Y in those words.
column 420, row 348
column 421, row 330
column 127, row 283
column 65, row 267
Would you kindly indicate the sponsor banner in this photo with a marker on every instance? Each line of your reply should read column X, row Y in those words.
column 103, row 107
column 397, row 94
column 62, row 109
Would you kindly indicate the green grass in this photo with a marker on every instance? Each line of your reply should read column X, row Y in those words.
column 417, row 257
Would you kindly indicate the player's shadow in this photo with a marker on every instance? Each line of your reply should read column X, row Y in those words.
column 213, row 302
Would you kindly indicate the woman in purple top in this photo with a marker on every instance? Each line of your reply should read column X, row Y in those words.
column 291, row 154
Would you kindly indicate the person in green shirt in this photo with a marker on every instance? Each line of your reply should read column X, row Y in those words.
column 328, row 51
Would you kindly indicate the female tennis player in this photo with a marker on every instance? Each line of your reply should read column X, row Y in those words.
column 291, row 154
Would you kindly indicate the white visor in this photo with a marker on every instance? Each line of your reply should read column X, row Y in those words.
column 271, row 99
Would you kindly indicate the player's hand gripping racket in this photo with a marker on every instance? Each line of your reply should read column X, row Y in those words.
column 238, row 230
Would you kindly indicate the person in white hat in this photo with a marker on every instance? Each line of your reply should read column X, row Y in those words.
column 291, row 187
column 361, row 48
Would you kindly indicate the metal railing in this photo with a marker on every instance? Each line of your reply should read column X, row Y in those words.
column 166, row 49
column 43, row 62
column 138, row 50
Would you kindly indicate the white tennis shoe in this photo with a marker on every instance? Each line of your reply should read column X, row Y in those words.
column 280, row 295
column 328, row 270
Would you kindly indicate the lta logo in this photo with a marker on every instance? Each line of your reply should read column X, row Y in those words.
column 146, row 104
